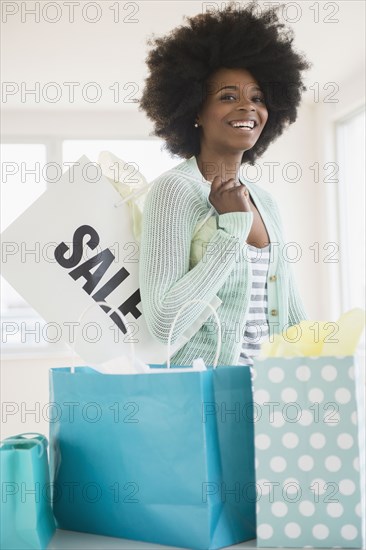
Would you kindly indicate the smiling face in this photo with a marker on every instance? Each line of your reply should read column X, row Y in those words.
column 234, row 113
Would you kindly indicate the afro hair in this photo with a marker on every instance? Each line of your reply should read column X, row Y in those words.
column 245, row 37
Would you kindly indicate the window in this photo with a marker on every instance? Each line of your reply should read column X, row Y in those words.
column 21, row 184
column 350, row 142
column 23, row 181
column 147, row 154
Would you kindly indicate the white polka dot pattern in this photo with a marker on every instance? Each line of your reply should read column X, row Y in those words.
column 307, row 453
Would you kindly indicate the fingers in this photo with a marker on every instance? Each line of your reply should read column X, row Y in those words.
column 216, row 184
column 231, row 185
column 240, row 187
column 242, row 192
column 219, row 185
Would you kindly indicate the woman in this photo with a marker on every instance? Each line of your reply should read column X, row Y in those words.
column 220, row 90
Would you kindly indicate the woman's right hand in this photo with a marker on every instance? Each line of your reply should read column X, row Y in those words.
column 229, row 196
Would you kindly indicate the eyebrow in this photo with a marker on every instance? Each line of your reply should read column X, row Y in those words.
column 232, row 87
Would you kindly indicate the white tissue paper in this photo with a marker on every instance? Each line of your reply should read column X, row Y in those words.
column 126, row 365
column 122, row 365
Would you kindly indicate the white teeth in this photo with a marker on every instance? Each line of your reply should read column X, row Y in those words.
column 244, row 124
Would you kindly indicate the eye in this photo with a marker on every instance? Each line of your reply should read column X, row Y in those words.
column 227, row 96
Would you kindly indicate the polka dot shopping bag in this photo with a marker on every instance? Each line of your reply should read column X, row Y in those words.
column 309, row 419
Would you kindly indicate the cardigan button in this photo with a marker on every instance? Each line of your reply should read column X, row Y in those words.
column 274, row 311
column 273, row 278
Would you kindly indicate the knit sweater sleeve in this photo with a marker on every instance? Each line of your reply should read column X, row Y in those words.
column 296, row 310
column 171, row 211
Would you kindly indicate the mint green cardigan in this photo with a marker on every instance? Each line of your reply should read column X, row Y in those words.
column 176, row 204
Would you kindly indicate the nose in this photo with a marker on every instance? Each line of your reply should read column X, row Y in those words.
column 246, row 103
column 246, row 99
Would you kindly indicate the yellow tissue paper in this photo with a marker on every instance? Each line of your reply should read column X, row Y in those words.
column 318, row 338
column 126, row 181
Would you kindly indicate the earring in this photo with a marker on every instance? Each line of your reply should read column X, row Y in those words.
column 196, row 125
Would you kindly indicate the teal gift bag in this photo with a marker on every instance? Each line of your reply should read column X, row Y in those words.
column 164, row 457
column 309, row 420
column 26, row 515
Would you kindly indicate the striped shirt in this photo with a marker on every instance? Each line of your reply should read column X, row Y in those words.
column 256, row 327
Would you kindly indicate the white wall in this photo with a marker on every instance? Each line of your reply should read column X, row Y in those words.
column 93, row 124
column 24, row 388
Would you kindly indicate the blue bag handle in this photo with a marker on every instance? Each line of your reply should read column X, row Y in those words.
column 40, row 439
column 218, row 349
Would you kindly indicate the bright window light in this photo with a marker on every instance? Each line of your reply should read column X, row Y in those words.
column 350, row 138
column 22, row 182
column 147, row 154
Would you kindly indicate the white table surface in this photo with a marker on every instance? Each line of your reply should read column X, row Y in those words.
column 71, row 540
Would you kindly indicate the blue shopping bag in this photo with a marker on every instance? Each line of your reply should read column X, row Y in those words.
column 26, row 515
column 166, row 457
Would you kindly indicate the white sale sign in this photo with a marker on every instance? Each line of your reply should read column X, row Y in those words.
column 85, row 252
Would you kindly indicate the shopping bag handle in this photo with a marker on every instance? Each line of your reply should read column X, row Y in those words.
column 104, row 159
column 40, row 439
column 218, row 349
column 133, row 195
column 114, row 310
